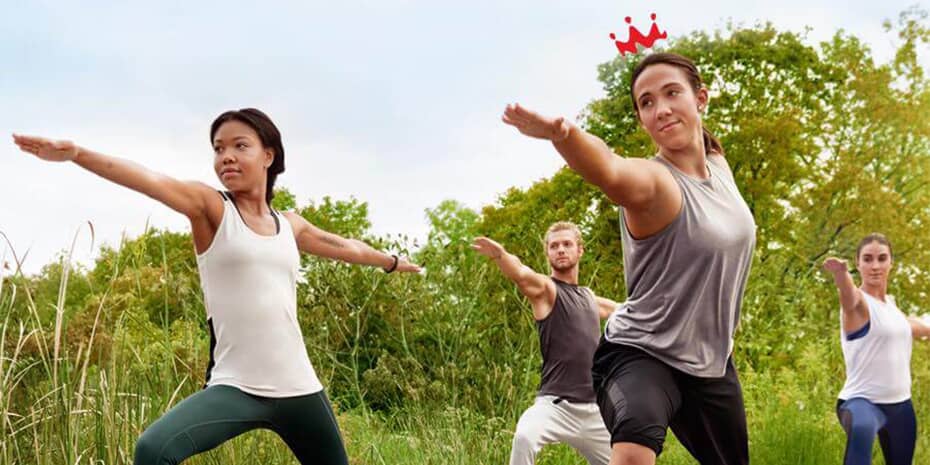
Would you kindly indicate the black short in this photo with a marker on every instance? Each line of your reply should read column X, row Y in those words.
column 640, row 397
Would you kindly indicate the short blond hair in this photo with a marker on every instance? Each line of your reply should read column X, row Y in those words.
column 564, row 226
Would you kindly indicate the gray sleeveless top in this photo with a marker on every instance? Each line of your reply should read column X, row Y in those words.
column 567, row 339
column 685, row 283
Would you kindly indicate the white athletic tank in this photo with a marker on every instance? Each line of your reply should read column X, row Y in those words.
column 878, row 365
column 250, row 292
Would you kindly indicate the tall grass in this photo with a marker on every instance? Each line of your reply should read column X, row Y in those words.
column 67, row 406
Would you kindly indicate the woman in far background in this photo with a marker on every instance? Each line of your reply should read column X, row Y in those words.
column 876, row 338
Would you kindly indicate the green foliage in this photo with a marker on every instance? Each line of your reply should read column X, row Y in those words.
column 283, row 200
column 344, row 217
column 826, row 145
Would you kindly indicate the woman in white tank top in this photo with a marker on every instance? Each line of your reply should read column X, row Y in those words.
column 248, row 257
column 876, row 339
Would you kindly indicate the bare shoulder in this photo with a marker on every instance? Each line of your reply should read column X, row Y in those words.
column 661, row 172
column 293, row 217
column 209, row 198
column 206, row 190
column 664, row 197
column 650, row 165
column 298, row 223
column 640, row 183
column 544, row 301
column 206, row 213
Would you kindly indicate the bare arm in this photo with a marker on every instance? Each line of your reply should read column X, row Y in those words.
column 315, row 241
column 538, row 288
column 631, row 183
column 605, row 306
column 920, row 327
column 855, row 309
column 189, row 198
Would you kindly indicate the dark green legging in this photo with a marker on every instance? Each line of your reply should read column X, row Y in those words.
column 219, row 413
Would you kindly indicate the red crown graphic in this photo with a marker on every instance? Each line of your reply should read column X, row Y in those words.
column 637, row 38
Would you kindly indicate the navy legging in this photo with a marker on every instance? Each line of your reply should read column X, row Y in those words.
column 895, row 424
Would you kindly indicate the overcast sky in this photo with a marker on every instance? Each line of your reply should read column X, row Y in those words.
column 396, row 103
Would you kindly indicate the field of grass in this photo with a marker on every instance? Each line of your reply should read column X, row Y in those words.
column 61, row 407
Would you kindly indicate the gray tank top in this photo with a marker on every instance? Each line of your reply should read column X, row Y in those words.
column 685, row 283
column 567, row 339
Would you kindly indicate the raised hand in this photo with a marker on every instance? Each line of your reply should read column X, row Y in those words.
column 47, row 149
column 835, row 265
column 535, row 125
column 488, row 247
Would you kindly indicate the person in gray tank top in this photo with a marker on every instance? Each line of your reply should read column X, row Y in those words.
column 568, row 321
column 688, row 237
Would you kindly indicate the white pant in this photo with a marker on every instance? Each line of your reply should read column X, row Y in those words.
column 577, row 424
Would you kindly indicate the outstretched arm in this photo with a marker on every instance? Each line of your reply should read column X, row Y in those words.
column 920, row 327
column 189, row 198
column 605, row 306
column 315, row 241
column 855, row 309
column 538, row 288
column 632, row 183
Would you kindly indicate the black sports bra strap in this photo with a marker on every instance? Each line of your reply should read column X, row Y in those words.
column 229, row 196
column 277, row 222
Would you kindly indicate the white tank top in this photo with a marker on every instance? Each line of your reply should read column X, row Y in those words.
column 250, row 292
column 878, row 365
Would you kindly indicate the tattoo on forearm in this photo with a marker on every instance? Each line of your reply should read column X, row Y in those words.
column 335, row 242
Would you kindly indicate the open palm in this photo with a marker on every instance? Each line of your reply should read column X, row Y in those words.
column 487, row 247
column 46, row 149
column 535, row 125
column 834, row 265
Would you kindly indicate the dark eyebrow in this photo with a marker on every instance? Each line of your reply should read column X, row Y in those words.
column 233, row 139
column 670, row 84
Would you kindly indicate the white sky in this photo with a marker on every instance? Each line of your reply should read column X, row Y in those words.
column 394, row 102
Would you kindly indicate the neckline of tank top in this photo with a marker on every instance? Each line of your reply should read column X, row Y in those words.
column 710, row 174
column 249, row 228
column 564, row 282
